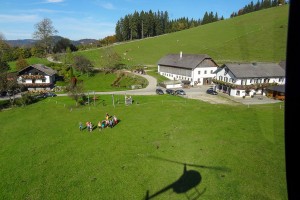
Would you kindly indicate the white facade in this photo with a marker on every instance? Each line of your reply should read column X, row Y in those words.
column 197, row 76
column 194, row 68
column 227, row 82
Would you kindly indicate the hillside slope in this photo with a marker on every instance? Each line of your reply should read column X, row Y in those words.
column 257, row 36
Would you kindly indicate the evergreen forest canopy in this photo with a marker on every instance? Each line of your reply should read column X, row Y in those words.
column 150, row 24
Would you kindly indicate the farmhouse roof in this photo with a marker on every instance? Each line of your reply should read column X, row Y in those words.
column 255, row 70
column 47, row 70
column 282, row 64
column 277, row 88
column 189, row 61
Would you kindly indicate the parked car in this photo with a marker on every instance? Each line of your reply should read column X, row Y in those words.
column 40, row 96
column 180, row 92
column 159, row 91
column 211, row 91
column 50, row 94
column 170, row 91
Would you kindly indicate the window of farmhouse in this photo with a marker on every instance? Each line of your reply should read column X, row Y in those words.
column 211, row 71
column 205, row 72
column 220, row 78
column 238, row 93
column 199, row 72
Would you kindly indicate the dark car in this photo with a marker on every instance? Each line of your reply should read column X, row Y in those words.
column 170, row 91
column 159, row 91
column 40, row 96
column 211, row 91
column 50, row 94
column 180, row 92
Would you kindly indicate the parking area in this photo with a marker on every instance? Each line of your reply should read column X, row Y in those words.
column 221, row 98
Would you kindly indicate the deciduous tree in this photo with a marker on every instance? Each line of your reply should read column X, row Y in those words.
column 21, row 63
column 83, row 64
column 44, row 32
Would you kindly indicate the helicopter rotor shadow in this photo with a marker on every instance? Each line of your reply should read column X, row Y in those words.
column 188, row 180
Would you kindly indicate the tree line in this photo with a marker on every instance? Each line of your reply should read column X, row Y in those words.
column 263, row 4
column 143, row 24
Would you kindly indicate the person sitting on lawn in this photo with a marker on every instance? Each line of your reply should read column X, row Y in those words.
column 111, row 123
column 99, row 126
column 115, row 119
column 106, row 123
column 91, row 127
column 87, row 126
column 103, row 124
column 80, row 126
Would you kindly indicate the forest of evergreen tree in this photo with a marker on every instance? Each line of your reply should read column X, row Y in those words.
column 149, row 24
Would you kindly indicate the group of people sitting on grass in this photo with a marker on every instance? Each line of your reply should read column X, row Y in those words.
column 110, row 121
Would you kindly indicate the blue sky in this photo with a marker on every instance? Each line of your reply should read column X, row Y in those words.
column 96, row 19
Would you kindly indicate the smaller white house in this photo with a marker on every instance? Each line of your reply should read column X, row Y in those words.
column 191, row 69
column 248, row 79
column 37, row 77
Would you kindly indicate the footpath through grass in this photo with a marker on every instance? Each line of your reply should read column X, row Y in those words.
column 235, row 152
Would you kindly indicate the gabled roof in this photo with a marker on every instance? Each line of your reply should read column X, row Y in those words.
column 277, row 88
column 189, row 61
column 47, row 70
column 255, row 70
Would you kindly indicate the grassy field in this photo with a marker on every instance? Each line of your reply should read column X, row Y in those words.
column 233, row 152
column 255, row 37
column 103, row 82
column 31, row 61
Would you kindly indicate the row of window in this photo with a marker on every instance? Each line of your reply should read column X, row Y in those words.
column 252, row 81
column 177, row 77
column 205, row 72
column 33, row 80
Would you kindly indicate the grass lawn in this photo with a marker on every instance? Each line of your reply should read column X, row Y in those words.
column 229, row 40
column 31, row 61
column 102, row 82
column 233, row 152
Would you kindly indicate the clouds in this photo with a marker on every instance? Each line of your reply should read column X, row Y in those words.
column 54, row 1
column 17, row 18
column 108, row 6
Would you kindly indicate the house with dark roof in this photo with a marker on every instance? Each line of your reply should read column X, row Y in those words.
column 192, row 69
column 248, row 79
column 37, row 77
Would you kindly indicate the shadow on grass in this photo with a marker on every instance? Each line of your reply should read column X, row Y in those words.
column 187, row 183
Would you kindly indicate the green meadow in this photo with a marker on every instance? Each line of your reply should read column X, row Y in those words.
column 164, row 147
column 233, row 152
column 255, row 37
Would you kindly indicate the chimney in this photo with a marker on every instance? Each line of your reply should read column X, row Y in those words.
column 180, row 54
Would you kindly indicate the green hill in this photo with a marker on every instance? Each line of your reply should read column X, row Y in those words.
column 257, row 36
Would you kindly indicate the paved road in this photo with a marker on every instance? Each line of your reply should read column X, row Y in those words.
column 191, row 93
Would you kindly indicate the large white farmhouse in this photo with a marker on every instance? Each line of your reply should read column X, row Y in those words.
column 248, row 79
column 193, row 69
